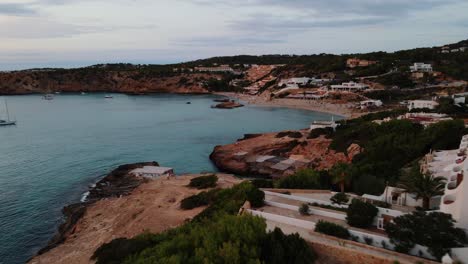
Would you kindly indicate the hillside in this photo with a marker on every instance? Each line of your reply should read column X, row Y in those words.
column 182, row 78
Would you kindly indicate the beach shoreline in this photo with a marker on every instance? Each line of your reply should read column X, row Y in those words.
column 344, row 110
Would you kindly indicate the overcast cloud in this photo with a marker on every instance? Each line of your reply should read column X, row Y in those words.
column 73, row 33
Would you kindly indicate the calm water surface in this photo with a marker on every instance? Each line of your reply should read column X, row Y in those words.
column 59, row 147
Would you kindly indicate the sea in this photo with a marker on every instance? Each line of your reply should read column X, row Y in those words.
column 62, row 146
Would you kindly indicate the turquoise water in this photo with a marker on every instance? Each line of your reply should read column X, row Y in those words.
column 59, row 147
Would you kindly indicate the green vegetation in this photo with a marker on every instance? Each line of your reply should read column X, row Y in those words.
column 361, row 214
column 400, row 79
column 291, row 134
column 332, row 229
column 304, row 179
column 217, row 235
column 262, row 183
column 204, row 182
column 279, row 248
column 304, row 209
column 389, row 147
column 424, row 186
column 434, row 230
column 331, row 207
column 341, row 175
column 340, row 198
column 197, row 200
column 256, row 197
column 315, row 133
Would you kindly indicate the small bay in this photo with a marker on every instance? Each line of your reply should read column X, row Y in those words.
column 60, row 147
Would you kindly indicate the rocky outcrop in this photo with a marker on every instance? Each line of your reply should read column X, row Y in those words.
column 228, row 105
column 117, row 183
column 279, row 154
column 95, row 80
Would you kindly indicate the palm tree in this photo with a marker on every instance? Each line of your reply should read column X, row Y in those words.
column 424, row 186
column 341, row 174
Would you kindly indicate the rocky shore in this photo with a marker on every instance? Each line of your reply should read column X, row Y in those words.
column 153, row 206
column 116, row 184
column 279, row 154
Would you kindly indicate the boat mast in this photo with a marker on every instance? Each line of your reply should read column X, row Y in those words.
column 8, row 113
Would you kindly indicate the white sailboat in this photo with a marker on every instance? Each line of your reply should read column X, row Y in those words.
column 8, row 121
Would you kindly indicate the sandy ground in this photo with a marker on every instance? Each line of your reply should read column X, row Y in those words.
column 346, row 110
column 153, row 207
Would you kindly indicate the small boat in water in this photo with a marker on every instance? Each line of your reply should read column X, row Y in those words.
column 48, row 97
column 83, row 93
column 7, row 122
column 108, row 97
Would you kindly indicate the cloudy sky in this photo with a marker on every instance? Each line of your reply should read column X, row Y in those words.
column 71, row 33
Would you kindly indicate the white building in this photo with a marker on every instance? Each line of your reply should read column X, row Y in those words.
column 452, row 165
column 420, row 104
column 324, row 124
column 370, row 103
column 152, row 172
column 295, row 82
column 419, row 66
column 399, row 196
column 349, row 87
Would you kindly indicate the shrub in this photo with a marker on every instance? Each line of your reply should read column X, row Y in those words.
column 315, row 133
column 279, row 248
column 384, row 244
column 332, row 229
column 204, row 182
column 369, row 240
column 291, row 134
column 434, row 230
column 303, row 179
column 197, row 200
column 256, row 197
column 304, row 209
column 361, row 214
column 340, row 198
column 331, row 207
column 262, row 183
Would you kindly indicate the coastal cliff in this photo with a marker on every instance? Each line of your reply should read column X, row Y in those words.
column 117, row 183
column 100, row 80
column 151, row 207
column 279, row 154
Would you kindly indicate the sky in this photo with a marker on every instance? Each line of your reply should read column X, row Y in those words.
column 74, row 33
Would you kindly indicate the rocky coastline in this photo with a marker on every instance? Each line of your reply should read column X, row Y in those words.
column 280, row 154
column 116, row 184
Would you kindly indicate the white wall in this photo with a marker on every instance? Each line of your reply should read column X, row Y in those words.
column 377, row 239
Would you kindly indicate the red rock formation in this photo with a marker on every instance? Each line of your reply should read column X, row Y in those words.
column 94, row 80
column 241, row 157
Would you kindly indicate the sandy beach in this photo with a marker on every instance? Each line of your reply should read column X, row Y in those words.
column 346, row 110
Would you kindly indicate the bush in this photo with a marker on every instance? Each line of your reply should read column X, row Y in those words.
column 204, row 182
column 361, row 214
column 197, row 200
column 434, row 230
column 369, row 240
column 304, row 209
column 331, row 207
column 291, row 134
column 262, row 183
column 340, row 198
column 256, row 198
column 332, row 229
column 304, row 179
column 279, row 248
column 315, row 133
